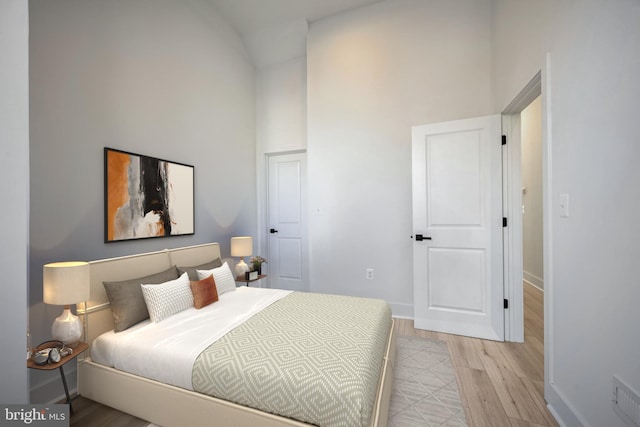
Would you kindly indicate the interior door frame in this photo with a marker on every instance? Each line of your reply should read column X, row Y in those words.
column 512, row 208
column 539, row 85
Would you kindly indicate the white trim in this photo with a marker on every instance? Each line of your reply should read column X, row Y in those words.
column 530, row 92
column 533, row 280
column 563, row 410
column 512, row 240
column 556, row 415
column 401, row 310
column 547, row 228
column 513, row 206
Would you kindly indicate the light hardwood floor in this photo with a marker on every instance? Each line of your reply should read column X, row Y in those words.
column 501, row 384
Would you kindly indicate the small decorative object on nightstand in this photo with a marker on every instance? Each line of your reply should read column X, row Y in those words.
column 256, row 263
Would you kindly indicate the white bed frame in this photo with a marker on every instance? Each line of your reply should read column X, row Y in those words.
column 167, row 405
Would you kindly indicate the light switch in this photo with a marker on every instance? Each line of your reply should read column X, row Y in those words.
column 564, row 205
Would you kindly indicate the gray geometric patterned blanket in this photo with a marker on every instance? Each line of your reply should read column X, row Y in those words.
column 312, row 357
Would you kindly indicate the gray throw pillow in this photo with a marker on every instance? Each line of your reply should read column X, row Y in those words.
column 191, row 271
column 127, row 302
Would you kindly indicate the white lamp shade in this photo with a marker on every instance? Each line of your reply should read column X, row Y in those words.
column 241, row 246
column 65, row 283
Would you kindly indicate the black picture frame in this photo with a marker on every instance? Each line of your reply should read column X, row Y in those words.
column 146, row 197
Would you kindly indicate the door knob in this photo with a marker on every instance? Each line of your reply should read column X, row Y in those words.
column 420, row 237
column 273, row 230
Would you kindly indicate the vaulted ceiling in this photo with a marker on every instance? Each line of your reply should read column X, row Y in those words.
column 275, row 30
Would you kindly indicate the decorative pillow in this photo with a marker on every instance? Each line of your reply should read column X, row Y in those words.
column 191, row 271
column 167, row 298
column 222, row 276
column 204, row 292
column 127, row 302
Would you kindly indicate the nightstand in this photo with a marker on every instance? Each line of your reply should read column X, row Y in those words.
column 79, row 348
column 247, row 281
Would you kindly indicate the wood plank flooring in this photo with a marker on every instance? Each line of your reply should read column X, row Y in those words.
column 501, row 384
column 87, row 413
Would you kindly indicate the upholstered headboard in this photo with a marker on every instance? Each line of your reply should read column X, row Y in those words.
column 97, row 314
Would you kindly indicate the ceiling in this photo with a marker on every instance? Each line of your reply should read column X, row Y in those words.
column 275, row 30
column 248, row 16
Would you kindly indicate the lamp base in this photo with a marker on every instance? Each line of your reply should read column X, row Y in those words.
column 67, row 328
column 241, row 268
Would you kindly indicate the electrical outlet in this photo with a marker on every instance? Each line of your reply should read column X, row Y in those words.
column 369, row 273
column 626, row 402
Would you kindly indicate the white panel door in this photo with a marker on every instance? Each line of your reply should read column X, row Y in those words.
column 288, row 253
column 457, row 221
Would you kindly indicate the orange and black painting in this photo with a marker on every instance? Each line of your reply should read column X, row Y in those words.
column 146, row 197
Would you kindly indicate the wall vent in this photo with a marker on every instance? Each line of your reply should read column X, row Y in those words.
column 626, row 403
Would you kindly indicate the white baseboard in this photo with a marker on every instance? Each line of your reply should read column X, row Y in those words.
column 561, row 408
column 533, row 280
column 402, row 311
column 555, row 415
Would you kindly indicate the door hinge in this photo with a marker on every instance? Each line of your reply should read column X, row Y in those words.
column 504, row 221
column 506, row 304
column 504, row 139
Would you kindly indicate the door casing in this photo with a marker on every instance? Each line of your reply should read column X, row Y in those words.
column 512, row 206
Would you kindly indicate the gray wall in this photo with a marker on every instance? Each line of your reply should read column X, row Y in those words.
column 14, row 187
column 167, row 79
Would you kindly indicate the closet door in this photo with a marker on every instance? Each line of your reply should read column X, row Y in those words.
column 287, row 222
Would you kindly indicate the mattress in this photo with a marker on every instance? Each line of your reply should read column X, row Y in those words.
column 166, row 351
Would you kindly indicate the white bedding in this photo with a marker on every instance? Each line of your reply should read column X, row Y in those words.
column 166, row 351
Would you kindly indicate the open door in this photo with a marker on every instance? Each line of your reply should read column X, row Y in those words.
column 457, row 221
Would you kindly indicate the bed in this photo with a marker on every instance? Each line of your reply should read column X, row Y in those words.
column 233, row 356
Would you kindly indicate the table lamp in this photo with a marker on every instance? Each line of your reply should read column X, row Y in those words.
column 241, row 247
column 66, row 283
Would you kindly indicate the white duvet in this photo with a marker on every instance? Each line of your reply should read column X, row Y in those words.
column 166, row 351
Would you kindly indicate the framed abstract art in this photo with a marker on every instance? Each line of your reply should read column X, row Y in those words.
column 146, row 197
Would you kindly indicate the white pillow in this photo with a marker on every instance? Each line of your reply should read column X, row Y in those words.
column 168, row 298
column 222, row 276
